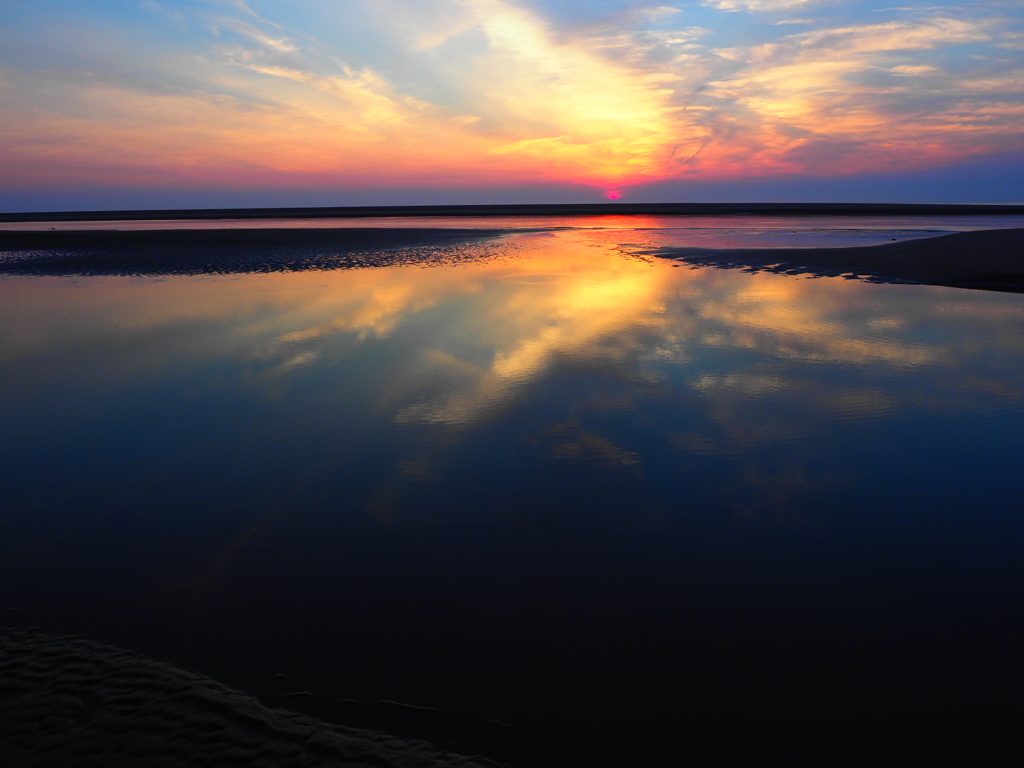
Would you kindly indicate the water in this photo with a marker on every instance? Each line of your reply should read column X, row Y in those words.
column 632, row 511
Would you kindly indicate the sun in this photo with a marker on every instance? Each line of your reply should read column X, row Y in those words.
column 613, row 194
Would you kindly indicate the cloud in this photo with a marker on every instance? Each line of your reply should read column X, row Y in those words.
column 612, row 120
column 549, row 107
column 815, row 100
column 895, row 35
column 153, row 7
column 909, row 69
column 447, row 92
column 758, row 5
column 278, row 44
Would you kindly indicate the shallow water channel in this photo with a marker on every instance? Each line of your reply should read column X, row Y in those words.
column 626, row 509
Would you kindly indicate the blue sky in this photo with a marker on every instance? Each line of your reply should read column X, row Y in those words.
column 221, row 103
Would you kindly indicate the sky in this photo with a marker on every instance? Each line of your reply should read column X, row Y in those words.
column 222, row 103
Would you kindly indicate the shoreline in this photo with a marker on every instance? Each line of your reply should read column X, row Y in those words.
column 990, row 259
column 554, row 209
column 349, row 237
column 986, row 259
column 229, row 251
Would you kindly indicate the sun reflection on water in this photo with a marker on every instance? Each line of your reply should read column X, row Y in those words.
column 558, row 433
column 563, row 329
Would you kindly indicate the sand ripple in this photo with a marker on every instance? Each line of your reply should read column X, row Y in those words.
column 65, row 701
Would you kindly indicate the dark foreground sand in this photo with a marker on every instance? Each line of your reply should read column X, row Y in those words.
column 989, row 259
column 65, row 701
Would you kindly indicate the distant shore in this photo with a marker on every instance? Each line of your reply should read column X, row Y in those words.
column 988, row 259
column 575, row 209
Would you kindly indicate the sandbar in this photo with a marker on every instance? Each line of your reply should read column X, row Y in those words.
column 229, row 251
column 68, row 701
column 988, row 259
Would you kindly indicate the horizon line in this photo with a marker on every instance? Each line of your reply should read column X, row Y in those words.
column 517, row 209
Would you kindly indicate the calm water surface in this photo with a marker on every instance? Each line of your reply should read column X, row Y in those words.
column 629, row 510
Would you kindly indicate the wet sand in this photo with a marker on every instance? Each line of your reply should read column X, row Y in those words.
column 68, row 701
column 226, row 251
column 988, row 259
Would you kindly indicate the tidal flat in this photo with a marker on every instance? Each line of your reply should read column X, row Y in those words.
column 552, row 495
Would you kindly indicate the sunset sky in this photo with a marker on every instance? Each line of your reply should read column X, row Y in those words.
column 197, row 103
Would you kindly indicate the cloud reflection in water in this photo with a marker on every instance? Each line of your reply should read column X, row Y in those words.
column 558, row 465
column 567, row 347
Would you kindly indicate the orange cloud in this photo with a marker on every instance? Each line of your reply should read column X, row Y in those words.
column 497, row 94
column 840, row 100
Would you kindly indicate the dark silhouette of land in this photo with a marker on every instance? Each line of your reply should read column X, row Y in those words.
column 990, row 259
column 575, row 209
column 227, row 251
